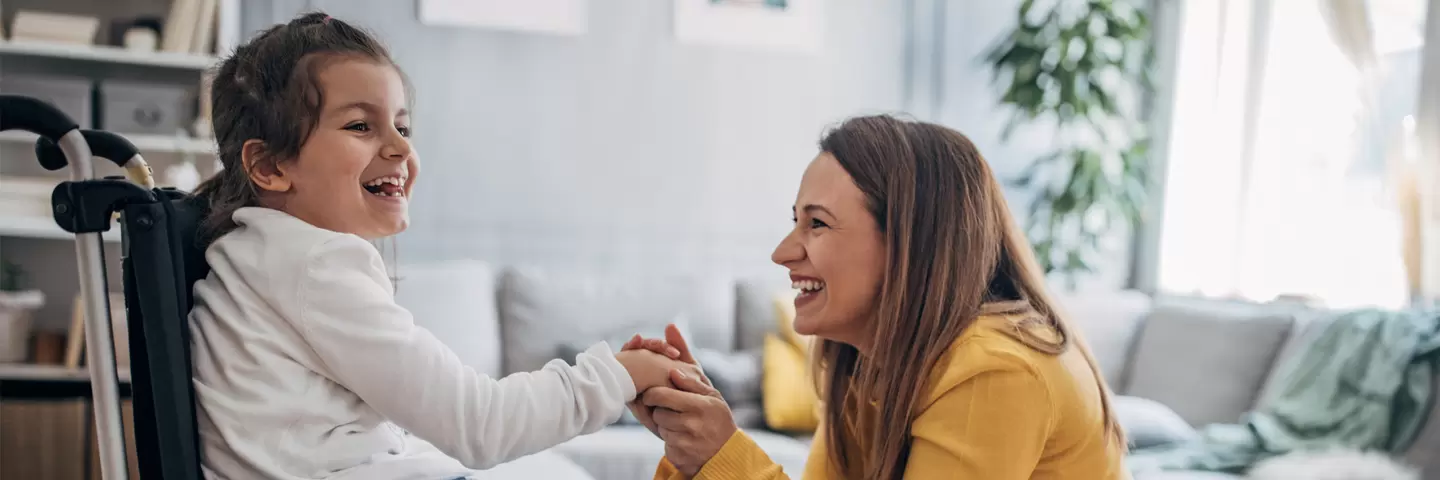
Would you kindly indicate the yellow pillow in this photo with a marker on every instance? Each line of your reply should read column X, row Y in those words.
column 788, row 395
column 788, row 391
column 785, row 322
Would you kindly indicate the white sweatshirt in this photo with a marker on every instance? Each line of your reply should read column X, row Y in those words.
column 306, row 368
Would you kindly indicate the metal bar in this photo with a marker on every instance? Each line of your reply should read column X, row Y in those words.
column 99, row 349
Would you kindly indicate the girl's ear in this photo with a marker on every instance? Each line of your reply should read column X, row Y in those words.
column 265, row 173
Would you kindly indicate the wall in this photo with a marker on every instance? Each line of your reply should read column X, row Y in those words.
column 619, row 149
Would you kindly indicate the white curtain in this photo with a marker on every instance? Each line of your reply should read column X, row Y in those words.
column 1351, row 27
column 1287, row 166
column 1423, row 252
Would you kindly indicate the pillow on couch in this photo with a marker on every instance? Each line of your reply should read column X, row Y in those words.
column 736, row 375
column 789, row 398
column 1148, row 423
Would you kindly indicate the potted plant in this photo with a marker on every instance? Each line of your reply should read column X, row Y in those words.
column 1082, row 68
column 17, row 307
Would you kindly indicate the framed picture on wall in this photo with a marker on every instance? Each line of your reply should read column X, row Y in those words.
column 560, row 17
column 784, row 25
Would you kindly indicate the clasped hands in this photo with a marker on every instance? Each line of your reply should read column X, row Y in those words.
column 689, row 414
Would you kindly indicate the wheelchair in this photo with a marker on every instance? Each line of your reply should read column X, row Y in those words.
column 161, row 259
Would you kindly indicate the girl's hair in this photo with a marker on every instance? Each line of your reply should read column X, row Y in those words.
column 953, row 253
column 268, row 90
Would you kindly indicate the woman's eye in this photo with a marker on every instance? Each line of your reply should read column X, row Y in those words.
column 404, row 131
column 358, row 126
column 817, row 223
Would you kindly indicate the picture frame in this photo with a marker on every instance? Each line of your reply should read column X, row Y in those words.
column 794, row 26
column 557, row 17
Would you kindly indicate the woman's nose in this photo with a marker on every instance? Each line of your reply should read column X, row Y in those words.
column 789, row 250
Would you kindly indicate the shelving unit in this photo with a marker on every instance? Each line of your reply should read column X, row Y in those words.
column 35, row 241
column 108, row 54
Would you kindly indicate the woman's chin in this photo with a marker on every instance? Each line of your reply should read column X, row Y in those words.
column 806, row 325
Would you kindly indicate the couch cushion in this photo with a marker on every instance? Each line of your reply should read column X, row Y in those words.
column 456, row 302
column 543, row 312
column 755, row 313
column 1206, row 360
column 630, row 452
column 548, row 465
column 1108, row 321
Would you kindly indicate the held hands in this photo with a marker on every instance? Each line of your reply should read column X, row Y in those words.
column 691, row 417
column 650, row 368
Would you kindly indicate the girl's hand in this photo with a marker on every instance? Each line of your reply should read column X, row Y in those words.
column 673, row 339
column 656, row 345
column 648, row 369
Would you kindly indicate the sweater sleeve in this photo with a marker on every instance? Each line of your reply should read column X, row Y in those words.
column 992, row 424
column 742, row 459
column 371, row 345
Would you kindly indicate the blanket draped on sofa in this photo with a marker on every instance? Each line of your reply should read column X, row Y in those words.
column 1365, row 381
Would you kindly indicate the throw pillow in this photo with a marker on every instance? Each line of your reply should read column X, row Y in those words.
column 616, row 339
column 1150, row 424
column 737, row 376
column 789, row 398
column 785, row 321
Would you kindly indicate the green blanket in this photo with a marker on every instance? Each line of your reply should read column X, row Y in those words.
column 1364, row 382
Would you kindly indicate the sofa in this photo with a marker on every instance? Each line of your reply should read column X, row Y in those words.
column 1176, row 364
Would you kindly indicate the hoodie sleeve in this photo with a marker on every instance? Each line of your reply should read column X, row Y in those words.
column 372, row 346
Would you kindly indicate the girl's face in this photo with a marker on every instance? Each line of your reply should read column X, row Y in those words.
column 355, row 172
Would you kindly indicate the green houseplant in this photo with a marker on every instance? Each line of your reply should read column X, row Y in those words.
column 1080, row 67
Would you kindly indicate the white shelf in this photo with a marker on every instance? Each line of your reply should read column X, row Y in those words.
column 107, row 54
column 52, row 373
column 146, row 143
column 37, row 227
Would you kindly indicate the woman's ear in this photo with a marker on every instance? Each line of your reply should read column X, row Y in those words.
column 262, row 170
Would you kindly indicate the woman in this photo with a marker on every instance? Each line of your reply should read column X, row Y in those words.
column 929, row 305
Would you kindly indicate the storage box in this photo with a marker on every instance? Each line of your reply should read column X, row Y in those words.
column 146, row 108
column 72, row 95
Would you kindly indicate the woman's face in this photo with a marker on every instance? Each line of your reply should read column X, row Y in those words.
column 835, row 255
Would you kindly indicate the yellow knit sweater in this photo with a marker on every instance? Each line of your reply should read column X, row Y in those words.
column 993, row 409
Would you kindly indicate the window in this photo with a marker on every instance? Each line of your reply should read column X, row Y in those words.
column 1289, row 122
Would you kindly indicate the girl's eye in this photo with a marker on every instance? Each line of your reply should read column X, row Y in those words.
column 358, row 126
column 404, row 131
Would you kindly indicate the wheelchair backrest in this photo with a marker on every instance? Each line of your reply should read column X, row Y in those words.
column 163, row 258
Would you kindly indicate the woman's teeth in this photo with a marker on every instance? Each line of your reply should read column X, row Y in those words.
column 391, row 186
column 807, row 286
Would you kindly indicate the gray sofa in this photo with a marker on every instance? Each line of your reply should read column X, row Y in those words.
column 1177, row 364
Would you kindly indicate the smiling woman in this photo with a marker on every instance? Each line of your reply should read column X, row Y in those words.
column 941, row 356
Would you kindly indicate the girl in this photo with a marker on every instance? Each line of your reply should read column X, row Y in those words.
column 304, row 366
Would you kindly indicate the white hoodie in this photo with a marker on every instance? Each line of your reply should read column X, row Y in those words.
column 306, row 368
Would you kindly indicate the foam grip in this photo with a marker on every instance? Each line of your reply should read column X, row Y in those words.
column 106, row 145
column 18, row 112
column 50, row 155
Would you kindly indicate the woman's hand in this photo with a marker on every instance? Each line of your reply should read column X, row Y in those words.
column 693, row 419
column 673, row 346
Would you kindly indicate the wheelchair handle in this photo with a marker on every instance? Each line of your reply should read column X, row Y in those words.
column 19, row 112
column 115, row 148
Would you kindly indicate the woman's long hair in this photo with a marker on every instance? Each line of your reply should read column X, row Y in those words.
column 952, row 250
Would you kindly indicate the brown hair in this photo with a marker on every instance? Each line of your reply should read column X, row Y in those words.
column 953, row 253
column 268, row 90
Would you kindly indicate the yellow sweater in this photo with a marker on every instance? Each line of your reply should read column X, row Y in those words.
column 993, row 409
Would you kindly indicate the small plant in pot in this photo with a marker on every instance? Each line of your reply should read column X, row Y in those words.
column 17, row 308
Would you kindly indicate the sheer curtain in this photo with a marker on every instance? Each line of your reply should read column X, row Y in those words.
column 1292, row 167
